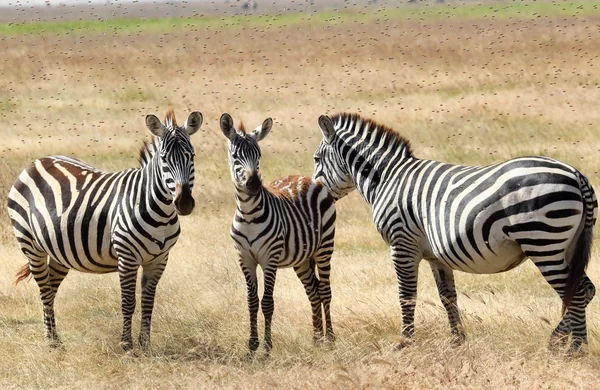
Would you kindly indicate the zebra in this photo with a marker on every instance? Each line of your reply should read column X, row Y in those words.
column 67, row 215
column 290, row 223
column 480, row 220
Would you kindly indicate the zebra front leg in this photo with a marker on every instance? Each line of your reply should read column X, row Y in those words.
column 249, row 270
column 267, row 303
column 306, row 274
column 444, row 279
column 150, row 278
column 127, row 277
column 405, row 261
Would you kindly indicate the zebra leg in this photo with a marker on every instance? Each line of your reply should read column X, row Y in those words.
column 405, row 261
column 41, row 271
column 58, row 272
column 267, row 304
column 444, row 279
column 555, row 272
column 127, row 277
column 324, row 268
column 306, row 274
column 249, row 271
column 150, row 278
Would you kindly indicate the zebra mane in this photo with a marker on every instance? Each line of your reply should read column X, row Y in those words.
column 394, row 139
column 147, row 151
column 170, row 122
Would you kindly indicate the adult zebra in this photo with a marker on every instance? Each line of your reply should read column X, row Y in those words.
column 69, row 215
column 289, row 224
column 475, row 219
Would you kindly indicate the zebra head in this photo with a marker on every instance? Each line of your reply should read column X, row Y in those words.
column 244, row 153
column 330, row 167
column 176, row 155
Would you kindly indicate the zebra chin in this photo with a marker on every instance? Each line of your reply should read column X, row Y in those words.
column 184, row 201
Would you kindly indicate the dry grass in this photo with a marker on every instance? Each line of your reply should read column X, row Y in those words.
column 462, row 90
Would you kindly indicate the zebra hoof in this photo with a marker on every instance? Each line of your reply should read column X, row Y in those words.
column 54, row 342
column 404, row 342
column 458, row 339
column 558, row 340
column 126, row 345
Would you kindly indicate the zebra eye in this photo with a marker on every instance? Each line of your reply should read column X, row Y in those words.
column 234, row 155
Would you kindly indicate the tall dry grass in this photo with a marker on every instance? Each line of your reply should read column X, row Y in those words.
column 467, row 91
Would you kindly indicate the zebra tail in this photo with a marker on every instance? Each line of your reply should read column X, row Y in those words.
column 583, row 246
column 22, row 273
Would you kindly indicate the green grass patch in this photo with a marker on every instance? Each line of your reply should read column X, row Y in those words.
column 528, row 10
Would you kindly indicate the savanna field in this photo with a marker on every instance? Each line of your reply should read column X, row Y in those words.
column 466, row 83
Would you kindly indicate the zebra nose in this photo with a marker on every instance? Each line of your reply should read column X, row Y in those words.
column 184, row 201
column 253, row 182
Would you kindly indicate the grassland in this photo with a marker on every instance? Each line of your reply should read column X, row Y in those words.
column 480, row 84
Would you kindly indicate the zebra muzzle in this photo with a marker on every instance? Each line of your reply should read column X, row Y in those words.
column 184, row 201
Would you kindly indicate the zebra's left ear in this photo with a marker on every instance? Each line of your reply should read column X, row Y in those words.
column 193, row 122
column 326, row 125
column 155, row 126
column 261, row 131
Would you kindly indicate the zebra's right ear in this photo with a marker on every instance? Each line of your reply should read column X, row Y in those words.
column 326, row 125
column 227, row 126
column 155, row 126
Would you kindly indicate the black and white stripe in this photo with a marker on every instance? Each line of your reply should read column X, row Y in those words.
column 474, row 219
column 289, row 224
column 69, row 215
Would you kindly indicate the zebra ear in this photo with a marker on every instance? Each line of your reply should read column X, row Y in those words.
column 154, row 125
column 227, row 125
column 326, row 125
column 193, row 122
column 261, row 131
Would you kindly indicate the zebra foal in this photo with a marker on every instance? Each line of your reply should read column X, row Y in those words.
column 480, row 220
column 291, row 223
column 68, row 215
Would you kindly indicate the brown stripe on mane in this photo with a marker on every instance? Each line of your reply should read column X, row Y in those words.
column 170, row 117
column 242, row 128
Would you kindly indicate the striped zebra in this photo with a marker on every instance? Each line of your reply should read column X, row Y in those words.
column 67, row 215
column 291, row 223
column 480, row 220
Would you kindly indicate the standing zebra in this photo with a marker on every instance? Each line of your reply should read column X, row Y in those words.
column 290, row 224
column 480, row 220
column 69, row 215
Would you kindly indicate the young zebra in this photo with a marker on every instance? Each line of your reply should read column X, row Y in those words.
column 69, row 215
column 480, row 220
column 290, row 224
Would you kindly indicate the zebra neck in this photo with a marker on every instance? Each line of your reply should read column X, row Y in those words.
column 370, row 167
column 250, row 207
column 155, row 195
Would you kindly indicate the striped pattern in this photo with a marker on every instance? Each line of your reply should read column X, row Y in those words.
column 480, row 220
column 69, row 215
column 290, row 223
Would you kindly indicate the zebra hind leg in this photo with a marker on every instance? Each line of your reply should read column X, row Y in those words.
column 323, row 261
column 306, row 274
column 573, row 322
column 444, row 279
column 560, row 335
column 42, row 272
